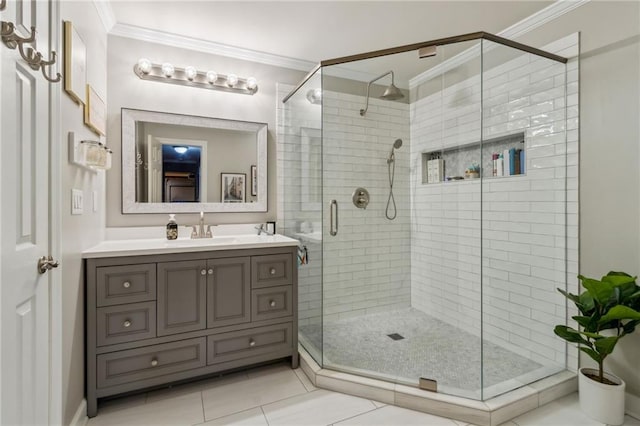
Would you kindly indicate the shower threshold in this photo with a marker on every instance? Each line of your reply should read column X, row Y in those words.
column 490, row 412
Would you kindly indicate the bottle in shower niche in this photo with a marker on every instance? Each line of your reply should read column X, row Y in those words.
column 172, row 228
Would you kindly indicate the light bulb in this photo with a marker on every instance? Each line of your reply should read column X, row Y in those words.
column 252, row 83
column 144, row 65
column 212, row 76
column 317, row 93
column 232, row 80
column 180, row 149
column 168, row 69
column 191, row 73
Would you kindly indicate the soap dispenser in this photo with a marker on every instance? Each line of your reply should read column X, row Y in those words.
column 172, row 228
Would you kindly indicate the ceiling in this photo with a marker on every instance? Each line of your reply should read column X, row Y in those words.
column 315, row 31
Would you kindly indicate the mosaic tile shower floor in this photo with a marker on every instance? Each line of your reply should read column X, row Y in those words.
column 430, row 348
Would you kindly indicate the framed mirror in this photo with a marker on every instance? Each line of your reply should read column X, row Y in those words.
column 173, row 163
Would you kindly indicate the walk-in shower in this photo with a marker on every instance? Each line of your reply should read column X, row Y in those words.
column 460, row 287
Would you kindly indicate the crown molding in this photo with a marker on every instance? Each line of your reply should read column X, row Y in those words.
column 205, row 46
column 105, row 12
column 543, row 16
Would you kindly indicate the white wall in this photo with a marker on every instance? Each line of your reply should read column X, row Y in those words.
column 79, row 232
column 126, row 90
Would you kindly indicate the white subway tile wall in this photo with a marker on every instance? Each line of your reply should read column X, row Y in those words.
column 508, row 233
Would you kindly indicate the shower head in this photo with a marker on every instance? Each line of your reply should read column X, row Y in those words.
column 392, row 93
column 392, row 157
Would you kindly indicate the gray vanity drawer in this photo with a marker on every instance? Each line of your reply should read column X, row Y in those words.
column 126, row 323
column 247, row 343
column 117, row 285
column 271, row 302
column 151, row 361
column 271, row 270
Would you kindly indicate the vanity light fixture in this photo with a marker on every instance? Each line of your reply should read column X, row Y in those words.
column 190, row 76
column 180, row 149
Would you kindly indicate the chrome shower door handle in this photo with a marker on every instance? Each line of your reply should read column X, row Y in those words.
column 334, row 218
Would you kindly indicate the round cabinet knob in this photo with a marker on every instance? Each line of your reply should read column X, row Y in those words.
column 272, row 303
column 154, row 362
column 272, row 271
column 203, row 272
column 252, row 342
column 126, row 284
column 126, row 324
column 210, row 271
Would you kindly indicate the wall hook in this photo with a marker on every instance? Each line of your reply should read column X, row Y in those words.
column 32, row 57
column 49, row 63
column 6, row 29
column 3, row 4
column 13, row 40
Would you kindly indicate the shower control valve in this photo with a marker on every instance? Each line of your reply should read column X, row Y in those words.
column 360, row 198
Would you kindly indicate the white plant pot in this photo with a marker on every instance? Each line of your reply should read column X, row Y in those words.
column 604, row 403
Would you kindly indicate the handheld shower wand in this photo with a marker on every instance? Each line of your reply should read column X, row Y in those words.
column 391, row 168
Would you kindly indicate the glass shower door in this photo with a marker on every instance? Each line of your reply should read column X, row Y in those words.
column 366, row 245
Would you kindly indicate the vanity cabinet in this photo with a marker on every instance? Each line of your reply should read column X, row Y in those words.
column 156, row 319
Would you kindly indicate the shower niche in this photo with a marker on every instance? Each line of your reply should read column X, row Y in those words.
column 477, row 156
column 465, row 272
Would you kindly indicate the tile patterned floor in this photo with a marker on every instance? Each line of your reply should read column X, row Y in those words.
column 425, row 349
column 277, row 395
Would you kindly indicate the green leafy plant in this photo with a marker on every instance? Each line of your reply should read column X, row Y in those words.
column 612, row 303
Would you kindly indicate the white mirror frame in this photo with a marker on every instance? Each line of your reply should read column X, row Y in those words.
column 129, row 204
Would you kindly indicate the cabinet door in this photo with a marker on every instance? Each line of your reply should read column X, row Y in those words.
column 228, row 291
column 181, row 296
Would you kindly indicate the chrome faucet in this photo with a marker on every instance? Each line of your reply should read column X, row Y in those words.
column 197, row 231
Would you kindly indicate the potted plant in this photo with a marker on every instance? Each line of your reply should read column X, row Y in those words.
column 609, row 310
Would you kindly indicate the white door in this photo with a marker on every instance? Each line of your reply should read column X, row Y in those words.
column 154, row 175
column 24, row 221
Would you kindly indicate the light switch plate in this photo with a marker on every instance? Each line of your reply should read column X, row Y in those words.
column 95, row 201
column 77, row 201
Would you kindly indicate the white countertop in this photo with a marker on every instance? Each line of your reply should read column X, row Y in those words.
column 137, row 247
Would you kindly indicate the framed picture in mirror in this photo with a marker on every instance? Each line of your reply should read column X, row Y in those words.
column 233, row 187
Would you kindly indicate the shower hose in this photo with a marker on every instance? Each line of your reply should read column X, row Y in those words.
column 391, row 168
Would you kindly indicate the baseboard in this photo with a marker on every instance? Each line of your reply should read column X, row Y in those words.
column 80, row 417
column 632, row 405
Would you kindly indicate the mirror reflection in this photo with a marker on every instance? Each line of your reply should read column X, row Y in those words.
column 180, row 163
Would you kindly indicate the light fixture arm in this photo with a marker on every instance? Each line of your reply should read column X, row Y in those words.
column 366, row 106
